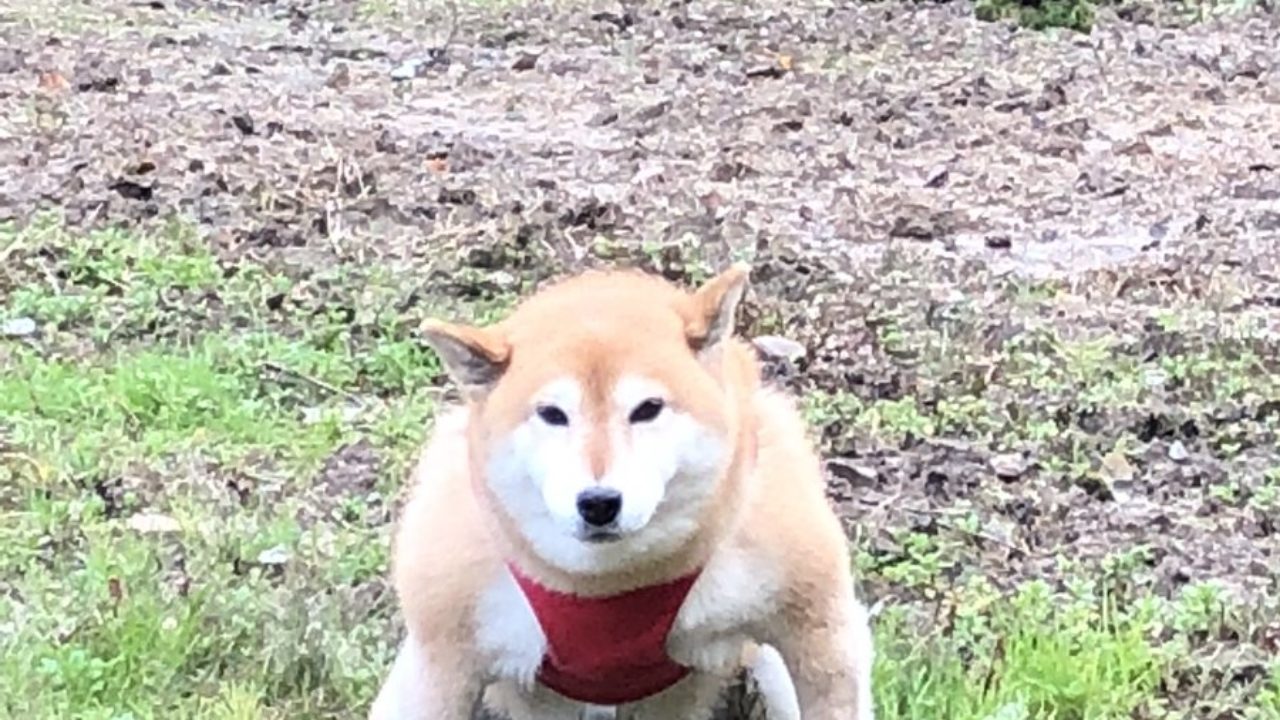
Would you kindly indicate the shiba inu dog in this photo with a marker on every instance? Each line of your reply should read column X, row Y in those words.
column 620, row 516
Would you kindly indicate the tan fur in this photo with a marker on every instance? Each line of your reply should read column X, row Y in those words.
column 775, row 558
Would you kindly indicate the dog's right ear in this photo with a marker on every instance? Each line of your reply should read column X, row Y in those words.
column 474, row 357
column 715, row 306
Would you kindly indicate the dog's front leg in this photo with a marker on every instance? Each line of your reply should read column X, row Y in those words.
column 827, row 647
column 422, row 687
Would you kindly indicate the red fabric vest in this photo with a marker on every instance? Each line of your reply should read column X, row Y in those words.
column 608, row 650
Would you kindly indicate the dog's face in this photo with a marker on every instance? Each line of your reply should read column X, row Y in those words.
column 597, row 476
column 602, row 427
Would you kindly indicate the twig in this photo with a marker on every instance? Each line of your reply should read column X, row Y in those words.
column 1102, row 63
column 31, row 462
column 314, row 382
column 17, row 244
column 941, row 517
column 453, row 28
column 889, row 502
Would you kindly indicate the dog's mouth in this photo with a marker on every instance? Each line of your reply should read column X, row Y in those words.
column 599, row 536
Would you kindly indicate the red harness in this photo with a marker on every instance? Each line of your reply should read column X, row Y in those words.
column 608, row 650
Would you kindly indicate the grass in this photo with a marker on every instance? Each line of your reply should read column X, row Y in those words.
column 166, row 383
column 1081, row 15
column 1038, row 656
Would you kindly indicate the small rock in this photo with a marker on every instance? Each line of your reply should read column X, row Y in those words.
column 937, row 177
column 917, row 223
column 278, row 555
column 1009, row 466
column 781, row 348
column 565, row 66
column 153, row 524
column 11, row 61
column 1178, row 451
column 417, row 67
column 1254, row 191
column 765, row 71
column 1268, row 220
column 1134, row 148
column 18, row 328
column 1058, row 205
column 998, row 242
column 340, row 79
column 406, row 70
column 606, row 116
column 526, row 61
column 131, row 190
column 653, row 112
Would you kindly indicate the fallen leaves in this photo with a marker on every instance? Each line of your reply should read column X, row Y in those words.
column 438, row 165
column 53, row 82
column 1116, row 468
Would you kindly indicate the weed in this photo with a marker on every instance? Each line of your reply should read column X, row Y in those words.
column 1075, row 15
column 1035, row 654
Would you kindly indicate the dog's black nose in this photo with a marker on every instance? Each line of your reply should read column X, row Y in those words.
column 599, row 506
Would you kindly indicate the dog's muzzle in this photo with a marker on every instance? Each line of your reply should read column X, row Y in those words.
column 599, row 507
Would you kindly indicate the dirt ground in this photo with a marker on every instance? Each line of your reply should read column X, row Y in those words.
column 930, row 204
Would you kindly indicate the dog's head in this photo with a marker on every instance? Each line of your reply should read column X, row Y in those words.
column 604, row 412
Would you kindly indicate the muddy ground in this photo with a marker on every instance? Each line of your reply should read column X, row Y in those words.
column 930, row 203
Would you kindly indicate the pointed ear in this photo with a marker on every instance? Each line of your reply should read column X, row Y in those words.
column 474, row 357
column 715, row 306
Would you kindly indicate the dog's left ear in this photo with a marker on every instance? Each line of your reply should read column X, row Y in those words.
column 715, row 307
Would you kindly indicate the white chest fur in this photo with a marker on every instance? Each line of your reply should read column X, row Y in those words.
column 728, row 605
column 507, row 632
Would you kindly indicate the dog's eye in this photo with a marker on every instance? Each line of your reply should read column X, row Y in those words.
column 646, row 411
column 552, row 415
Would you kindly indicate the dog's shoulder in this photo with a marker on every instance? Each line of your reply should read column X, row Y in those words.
column 441, row 552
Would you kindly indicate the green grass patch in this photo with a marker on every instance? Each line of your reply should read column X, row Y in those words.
column 263, row 592
column 1032, row 655
column 1082, row 15
column 1078, row 15
column 175, row 540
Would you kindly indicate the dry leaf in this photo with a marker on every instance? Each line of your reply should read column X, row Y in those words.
column 115, row 588
column 54, row 81
column 1116, row 467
